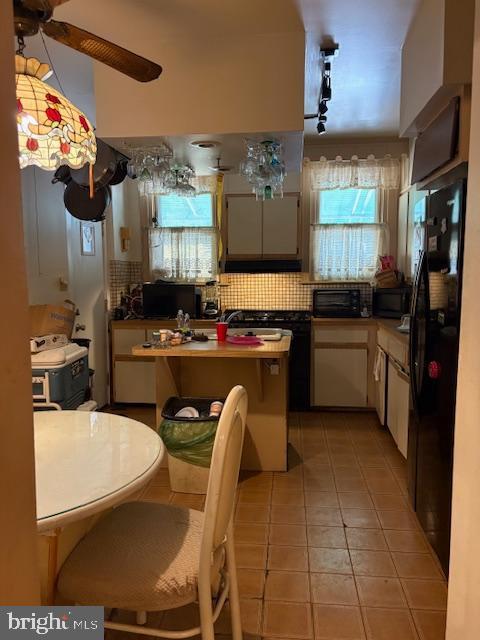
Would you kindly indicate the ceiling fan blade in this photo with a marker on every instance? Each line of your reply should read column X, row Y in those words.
column 102, row 50
column 42, row 5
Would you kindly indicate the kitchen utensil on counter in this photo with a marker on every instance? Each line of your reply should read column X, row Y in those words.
column 404, row 326
column 200, row 337
column 211, row 309
column 211, row 301
column 222, row 328
column 228, row 318
column 78, row 202
column 249, row 341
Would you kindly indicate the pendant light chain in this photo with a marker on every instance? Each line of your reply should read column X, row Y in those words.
column 52, row 66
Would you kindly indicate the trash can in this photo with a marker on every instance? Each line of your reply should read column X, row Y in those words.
column 189, row 443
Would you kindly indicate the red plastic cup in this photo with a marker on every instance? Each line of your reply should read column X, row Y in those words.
column 222, row 331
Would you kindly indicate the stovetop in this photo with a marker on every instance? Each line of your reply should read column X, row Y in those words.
column 256, row 315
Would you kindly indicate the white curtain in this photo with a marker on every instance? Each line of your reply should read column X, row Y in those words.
column 366, row 173
column 183, row 254
column 346, row 252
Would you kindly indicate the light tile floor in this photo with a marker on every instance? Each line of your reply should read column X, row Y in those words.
column 329, row 550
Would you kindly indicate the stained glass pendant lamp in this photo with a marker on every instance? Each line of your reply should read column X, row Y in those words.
column 51, row 130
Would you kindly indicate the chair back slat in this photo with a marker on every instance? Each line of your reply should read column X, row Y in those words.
column 224, row 470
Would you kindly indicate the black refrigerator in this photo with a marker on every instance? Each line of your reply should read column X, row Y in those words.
column 434, row 338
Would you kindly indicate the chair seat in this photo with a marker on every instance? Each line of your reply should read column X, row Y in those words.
column 142, row 556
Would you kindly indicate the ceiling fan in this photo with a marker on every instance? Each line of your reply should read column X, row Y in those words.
column 32, row 15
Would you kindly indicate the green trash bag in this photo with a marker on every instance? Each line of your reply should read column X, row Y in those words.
column 189, row 441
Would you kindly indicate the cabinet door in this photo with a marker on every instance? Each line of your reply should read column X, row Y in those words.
column 340, row 377
column 392, row 400
column 244, row 226
column 403, row 411
column 134, row 381
column 398, row 406
column 380, row 390
column 280, row 226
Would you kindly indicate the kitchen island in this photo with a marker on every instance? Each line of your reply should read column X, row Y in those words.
column 211, row 369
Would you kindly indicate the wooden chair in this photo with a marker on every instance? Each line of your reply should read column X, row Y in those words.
column 152, row 557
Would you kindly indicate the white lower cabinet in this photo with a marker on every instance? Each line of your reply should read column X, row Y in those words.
column 398, row 405
column 134, row 381
column 340, row 377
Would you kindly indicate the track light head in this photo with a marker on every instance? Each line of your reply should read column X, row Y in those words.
column 320, row 128
column 322, row 108
column 326, row 89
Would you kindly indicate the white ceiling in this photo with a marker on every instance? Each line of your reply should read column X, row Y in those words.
column 366, row 73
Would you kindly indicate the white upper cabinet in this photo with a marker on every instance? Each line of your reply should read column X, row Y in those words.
column 436, row 60
column 244, row 226
column 280, row 226
column 257, row 229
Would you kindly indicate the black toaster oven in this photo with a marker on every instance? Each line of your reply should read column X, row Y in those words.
column 336, row 303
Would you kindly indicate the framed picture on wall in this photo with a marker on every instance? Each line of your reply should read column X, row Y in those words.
column 87, row 238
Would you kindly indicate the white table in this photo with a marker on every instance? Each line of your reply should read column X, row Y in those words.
column 86, row 463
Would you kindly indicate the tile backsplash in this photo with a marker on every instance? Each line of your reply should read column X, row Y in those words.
column 278, row 291
column 267, row 291
column 122, row 274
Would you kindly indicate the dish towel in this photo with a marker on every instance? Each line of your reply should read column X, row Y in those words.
column 378, row 364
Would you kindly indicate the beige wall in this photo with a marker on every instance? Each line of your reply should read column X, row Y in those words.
column 422, row 60
column 463, row 619
column 18, row 551
column 124, row 212
column 242, row 83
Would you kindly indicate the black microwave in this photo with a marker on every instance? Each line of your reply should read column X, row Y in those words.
column 336, row 303
column 391, row 303
column 164, row 299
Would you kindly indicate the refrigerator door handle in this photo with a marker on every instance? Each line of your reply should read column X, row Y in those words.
column 413, row 344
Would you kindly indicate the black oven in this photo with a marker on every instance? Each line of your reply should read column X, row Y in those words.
column 336, row 303
column 391, row 303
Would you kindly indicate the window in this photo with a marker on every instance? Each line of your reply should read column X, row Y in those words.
column 347, row 236
column 183, row 247
column 178, row 211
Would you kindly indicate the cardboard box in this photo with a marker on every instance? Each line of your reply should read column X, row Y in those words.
column 46, row 319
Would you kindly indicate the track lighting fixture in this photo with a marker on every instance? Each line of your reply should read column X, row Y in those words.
column 322, row 108
column 326, row 87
